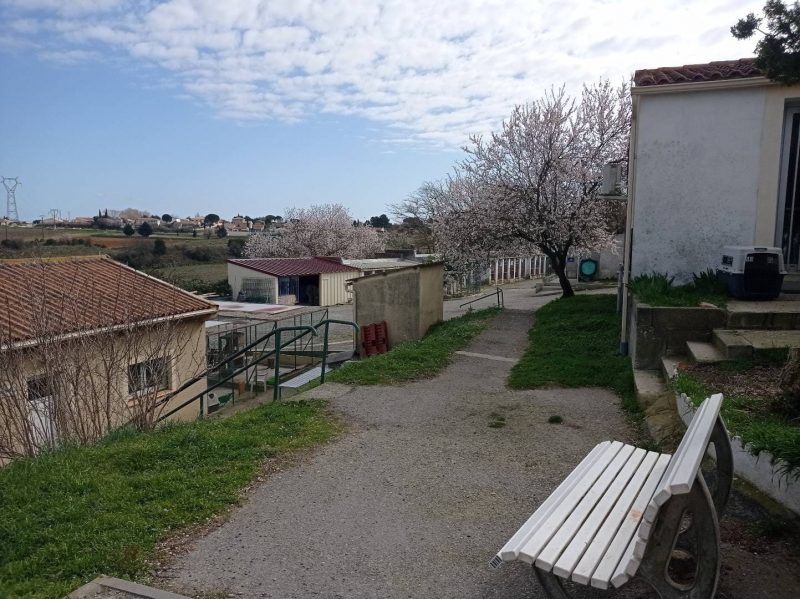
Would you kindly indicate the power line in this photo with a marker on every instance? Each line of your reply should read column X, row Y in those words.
column 11, row 183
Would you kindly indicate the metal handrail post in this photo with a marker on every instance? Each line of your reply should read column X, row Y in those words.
column 327, row 322
column 324, row 353
column 276, row 377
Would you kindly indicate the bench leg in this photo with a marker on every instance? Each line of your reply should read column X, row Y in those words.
column 723, row 469
column 667, row 538
column 551, row 584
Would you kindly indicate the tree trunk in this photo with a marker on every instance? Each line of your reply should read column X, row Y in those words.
column 560, row 268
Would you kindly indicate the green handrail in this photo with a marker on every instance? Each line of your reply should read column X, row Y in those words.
column 328, row 322
column 501, row 302
column 276, row 391
column 234, row 373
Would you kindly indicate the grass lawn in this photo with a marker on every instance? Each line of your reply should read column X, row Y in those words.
column 574, row 343
column 758, row 420
column 76, row 513
column 416, row 359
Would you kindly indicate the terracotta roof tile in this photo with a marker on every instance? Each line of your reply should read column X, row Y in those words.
column 294, row 267
column 742, row 68
column 68, row 295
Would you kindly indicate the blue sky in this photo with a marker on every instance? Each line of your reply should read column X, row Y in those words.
column 194, row 106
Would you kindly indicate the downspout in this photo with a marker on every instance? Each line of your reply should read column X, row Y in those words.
column 626, row 270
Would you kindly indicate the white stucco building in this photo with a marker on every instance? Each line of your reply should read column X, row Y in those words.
column 713, row 162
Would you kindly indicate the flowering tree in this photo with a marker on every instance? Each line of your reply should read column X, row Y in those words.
column 323, row 230
column 534, row 185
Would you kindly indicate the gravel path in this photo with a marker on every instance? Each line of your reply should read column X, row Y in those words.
column 415, row 499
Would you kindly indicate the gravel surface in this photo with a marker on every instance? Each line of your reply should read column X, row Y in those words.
column 418, row 495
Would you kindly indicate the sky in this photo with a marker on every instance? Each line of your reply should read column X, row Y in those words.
column 250, row 107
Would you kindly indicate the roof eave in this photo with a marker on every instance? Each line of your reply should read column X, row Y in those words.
column 29, row 343
column 699, row 86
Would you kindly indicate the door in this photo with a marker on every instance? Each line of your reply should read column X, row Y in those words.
column 788, row 222
column 40, row 413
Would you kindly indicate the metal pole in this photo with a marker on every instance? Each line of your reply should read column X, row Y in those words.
column 276, row 379
column 324, row 354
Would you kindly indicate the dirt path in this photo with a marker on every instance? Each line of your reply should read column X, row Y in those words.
column 418, row 496
column 429, row 481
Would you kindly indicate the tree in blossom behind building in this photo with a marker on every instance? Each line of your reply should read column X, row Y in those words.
column 533, row 186
column 319, row 230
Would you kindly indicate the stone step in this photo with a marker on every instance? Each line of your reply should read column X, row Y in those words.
column 704, row 353
column 738, row 344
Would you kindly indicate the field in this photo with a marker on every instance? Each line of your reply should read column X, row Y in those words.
column 194, row 263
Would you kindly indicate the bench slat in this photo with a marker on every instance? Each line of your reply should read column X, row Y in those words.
column 587, row 548
column 561, row 511
column 631, row 505
column 685, row 462
column 511, row 549
column 569, row 527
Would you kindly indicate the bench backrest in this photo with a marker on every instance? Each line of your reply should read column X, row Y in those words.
column 682, row 470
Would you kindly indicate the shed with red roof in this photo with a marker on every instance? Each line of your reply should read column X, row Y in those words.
column 311, row 281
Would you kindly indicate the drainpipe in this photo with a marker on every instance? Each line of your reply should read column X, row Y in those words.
column 628, row 249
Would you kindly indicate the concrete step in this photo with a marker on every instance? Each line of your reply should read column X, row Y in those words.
column 791, row 283
column 302, row 379
column 780, row 314
column 738, row 344
column 107, row 587
column 669, row 367
column 648, row 385
column 704, row 353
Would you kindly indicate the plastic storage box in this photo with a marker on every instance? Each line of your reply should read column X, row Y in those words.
column 751, row 272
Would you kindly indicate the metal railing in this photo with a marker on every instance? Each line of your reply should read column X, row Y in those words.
column 231, row 375
column 263, row 355
column 498, row 293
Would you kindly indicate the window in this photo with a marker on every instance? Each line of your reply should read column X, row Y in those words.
column 148, row 376
column 39, row 388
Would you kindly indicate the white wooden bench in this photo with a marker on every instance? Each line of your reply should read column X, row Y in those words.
column 625, row 513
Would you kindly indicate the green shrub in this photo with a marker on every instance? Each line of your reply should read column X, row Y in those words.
column 658, row 289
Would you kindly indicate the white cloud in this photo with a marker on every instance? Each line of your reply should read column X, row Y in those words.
column 438, row 71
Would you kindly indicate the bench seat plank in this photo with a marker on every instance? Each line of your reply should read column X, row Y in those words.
column 549, row 526
column 602, row 452
column 589, row 543
column 612, row 560
column 547, row 558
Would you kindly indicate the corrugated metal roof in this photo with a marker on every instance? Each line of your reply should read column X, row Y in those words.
column 55, row 296
column 381, row 263
column 721, row 70
column 293, row 267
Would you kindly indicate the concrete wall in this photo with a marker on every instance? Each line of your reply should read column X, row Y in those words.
column 663, row 331
column 409, row 299
column 698, row 166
